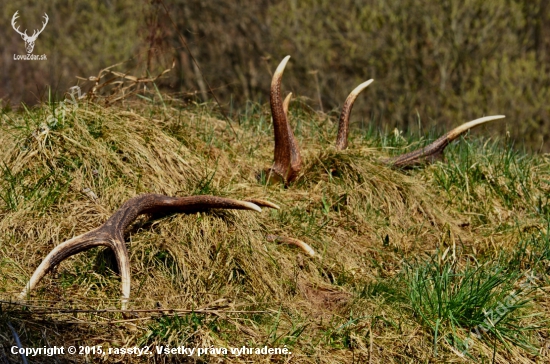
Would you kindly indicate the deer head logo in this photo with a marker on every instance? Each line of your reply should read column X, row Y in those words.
column 29, row 41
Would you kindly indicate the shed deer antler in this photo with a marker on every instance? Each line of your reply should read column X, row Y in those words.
column 434, row 150
column 111, row 233
column 287, row 154
column 343, row 123
column 288, row 161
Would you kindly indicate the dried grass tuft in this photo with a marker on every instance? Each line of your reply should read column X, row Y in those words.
column 363, row 220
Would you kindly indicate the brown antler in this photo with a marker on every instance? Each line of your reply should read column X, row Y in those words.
column 287, row 155
column 434, row 150
column 263, row 203
column 343, row 124
column 288, row 161
column 111, row 233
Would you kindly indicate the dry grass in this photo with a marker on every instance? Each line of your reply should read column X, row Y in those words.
column 365, row 221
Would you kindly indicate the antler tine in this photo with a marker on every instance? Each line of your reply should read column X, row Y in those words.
column 300, row 244
column 435, row 149
column 111, row 233
column 343, row 124
column 264, row 203
column 459, row 130
column 286, row 104
column 63, row 251
column 288, row 161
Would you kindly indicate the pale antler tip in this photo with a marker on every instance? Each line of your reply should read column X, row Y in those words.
column 492, row 117
column 466, row 126
column 281, row 66
column 286, row 103
column 299, row 243
column 251, row 206
column 264, row 203
column 361, row 87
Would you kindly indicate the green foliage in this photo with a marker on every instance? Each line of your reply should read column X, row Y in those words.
column 41, row 189
column 446, row 61
column 178, row 330
column 489, row 177
column 532, row 253
column 488, row 298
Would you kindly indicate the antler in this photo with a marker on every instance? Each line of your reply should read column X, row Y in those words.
column 13, row 19
column 286, row 104
column 288, row 161
column 291, row 241
column 287, row 155
column 343, row 124
column 435, row 149
column 111, row 233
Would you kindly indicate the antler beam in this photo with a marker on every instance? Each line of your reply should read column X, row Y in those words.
column 435, row 150
column 111, row 233
column 288, row 161
column 343, row 124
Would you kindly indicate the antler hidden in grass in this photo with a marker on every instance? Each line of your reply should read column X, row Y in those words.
column 287, row 161
column 434, row 150
column 291, row 241
column 111, row 233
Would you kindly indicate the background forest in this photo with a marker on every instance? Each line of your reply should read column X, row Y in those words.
column 434, row 62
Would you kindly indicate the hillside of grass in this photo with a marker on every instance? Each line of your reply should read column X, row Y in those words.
column 445, row 263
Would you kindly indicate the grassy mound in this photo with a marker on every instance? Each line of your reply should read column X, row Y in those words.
column 445, row 263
